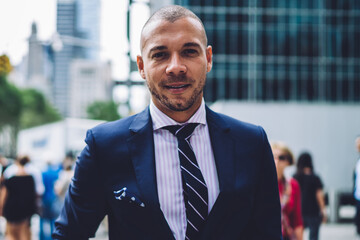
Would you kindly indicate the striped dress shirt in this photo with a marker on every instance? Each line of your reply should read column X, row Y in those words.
column 168, row 172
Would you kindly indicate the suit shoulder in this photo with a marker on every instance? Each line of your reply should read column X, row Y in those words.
column 239, row 126
column 114, row 129
column 117, row 125
column 244, row 133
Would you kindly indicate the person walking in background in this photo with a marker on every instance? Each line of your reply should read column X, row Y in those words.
column 4, row 163
column 49, row 210
column 18, row 201
column 357, row 186
column 178, row 169
column 290, row 195
column 312, row 195
column 64, row 180
column 34, row 171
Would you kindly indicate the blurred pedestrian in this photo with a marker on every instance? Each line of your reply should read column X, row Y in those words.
column 18, row 201
column 4, row 163
column 357, row 186
column 64, row 180
column 290, row 196
column 49, row 209
column 312, row 195
column 33, row 170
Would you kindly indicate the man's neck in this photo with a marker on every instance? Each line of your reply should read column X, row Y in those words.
column 179, row 116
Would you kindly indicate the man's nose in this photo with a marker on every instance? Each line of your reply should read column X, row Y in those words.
column 176, row 66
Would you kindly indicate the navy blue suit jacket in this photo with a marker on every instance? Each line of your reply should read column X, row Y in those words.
column 121, row 154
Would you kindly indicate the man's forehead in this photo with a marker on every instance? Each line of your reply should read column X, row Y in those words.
column 159, row 26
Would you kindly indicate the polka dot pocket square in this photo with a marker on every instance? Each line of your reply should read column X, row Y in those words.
column 124, row 195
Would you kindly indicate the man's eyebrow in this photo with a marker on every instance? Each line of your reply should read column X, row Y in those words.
column 157, row 48
column 192, row 44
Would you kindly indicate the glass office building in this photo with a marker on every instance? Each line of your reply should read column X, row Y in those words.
column 78, row 26
column 282, row 50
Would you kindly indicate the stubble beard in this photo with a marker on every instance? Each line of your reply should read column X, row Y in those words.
column 172, row 104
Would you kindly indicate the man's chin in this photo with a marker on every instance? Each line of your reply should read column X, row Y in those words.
column 178, row 107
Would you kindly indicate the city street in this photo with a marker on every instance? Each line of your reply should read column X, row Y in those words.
column 336, row 232
column 329, row 231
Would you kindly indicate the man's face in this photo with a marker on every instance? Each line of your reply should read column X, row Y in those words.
column 174, row 63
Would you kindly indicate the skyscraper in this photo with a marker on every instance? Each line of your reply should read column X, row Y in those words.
column 38, row 64
column 89, row 81
column 78, row 23
column 283, row 50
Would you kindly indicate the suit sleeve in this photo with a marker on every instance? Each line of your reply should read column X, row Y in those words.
column 267, row 212
column 84, row 205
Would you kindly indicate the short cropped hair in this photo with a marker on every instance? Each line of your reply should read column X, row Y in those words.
column 171, row 14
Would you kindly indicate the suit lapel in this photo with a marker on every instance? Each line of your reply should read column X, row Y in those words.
column 142, row 152
column 141, row 146
column 223, row 148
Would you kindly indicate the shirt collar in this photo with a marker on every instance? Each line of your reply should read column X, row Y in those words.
column 161, row 120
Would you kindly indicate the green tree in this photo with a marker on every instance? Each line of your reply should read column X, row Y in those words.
column 10, row 96
column 5, row 65
column 20, row 108
column 10, row 107
column 10, row 103
column 103, row 110
column 36, row 110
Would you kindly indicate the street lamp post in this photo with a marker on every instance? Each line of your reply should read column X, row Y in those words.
column 129, row 83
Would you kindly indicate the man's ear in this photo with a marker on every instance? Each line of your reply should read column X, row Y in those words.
column 140, row 64
column 209, row 58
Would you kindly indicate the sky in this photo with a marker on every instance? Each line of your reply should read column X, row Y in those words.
column 15, row 24
column 17, row 16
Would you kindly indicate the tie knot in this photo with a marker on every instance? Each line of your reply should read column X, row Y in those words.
column 182, row 131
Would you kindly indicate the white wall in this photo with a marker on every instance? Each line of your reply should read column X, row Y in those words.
column 51, row 142
column 327, row 131
column 43, row 143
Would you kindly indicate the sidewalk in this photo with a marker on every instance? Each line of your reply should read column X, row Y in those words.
column 338, row 231
column 329, row 231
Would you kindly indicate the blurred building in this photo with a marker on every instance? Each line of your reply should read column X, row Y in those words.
column 297, row 50
column 89, row 81
column 78, row 28
column 38, row 64
column 51, row 142
column 36, row 68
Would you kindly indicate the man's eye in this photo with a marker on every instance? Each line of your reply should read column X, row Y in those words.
column 190, row 52
column 158, row 55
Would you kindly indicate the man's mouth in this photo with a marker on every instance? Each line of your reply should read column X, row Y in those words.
column 177, row 86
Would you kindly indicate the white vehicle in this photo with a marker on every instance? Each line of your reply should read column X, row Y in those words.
column 51, row 142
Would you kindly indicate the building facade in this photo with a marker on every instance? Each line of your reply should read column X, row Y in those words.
column 38, row 65
column 90, row 81
column 78, row 26
column 283, row 50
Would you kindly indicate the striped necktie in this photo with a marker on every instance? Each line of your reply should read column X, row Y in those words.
column 194, row 186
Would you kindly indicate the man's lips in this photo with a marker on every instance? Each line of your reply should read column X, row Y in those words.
column 176, row 86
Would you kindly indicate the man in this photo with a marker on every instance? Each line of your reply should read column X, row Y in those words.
column 207, row 177
column 357, row 187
